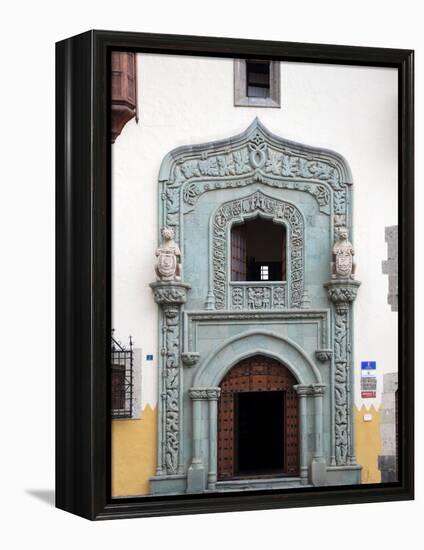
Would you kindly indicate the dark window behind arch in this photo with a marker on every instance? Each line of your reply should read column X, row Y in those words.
column 258, row 251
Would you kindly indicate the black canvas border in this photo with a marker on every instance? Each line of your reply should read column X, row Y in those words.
column 83, row 238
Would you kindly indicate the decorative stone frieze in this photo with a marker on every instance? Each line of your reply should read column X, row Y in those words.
column 257, row 153
column 255, row 156
column 258, row 296
column 198, row 394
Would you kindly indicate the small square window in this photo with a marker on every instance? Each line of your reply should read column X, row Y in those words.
column 257, row 78
column 256, row 83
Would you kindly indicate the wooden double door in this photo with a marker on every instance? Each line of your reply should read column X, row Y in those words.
column 258, row 424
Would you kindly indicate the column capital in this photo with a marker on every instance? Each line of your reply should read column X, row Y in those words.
column 318, row 389
column 213, row 393
column 342, row 292
column 170, row 292
column 198, row 394
column 303, row 390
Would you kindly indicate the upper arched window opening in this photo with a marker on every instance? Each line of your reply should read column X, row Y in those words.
column 258, row 251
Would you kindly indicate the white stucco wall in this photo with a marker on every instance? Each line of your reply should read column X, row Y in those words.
column 188, row 100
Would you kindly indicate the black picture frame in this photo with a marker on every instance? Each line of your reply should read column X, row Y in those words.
column 83, row 230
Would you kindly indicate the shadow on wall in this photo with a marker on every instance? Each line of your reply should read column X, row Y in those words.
column 45, row 495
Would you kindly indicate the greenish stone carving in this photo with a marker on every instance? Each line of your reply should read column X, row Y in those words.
column 170, row 295
column 190, row 358
column 342, row 294
column 256, row 155
column 257, row 297
column 304, row 322
column 324, row 355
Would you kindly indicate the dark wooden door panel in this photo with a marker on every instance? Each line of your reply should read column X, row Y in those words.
column 257, row 374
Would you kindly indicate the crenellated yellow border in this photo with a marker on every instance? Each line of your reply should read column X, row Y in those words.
column 134, row 450
column 368, row 443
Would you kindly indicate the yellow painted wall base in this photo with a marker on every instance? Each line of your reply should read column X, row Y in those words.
column 368, row 443
column 134, row 454
column 134, row 450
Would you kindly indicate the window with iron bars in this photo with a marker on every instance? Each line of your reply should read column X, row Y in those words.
column 122, row 379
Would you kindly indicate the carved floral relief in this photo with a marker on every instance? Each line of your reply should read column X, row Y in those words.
column 278, row 210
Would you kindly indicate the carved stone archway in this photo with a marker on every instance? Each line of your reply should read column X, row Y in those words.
column 208, row 322
column 258, row 374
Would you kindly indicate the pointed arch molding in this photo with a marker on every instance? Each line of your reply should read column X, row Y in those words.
column 255, row 155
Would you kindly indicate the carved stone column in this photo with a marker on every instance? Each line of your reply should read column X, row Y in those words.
column 303, row 392
column 196, row 472
column 170, row 295
column 342, row 293
column 213, row 396
column 319, row 466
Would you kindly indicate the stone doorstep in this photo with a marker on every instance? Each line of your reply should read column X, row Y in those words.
column 258, row 483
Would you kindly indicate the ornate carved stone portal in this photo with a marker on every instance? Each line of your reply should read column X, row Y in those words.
column 209, row 323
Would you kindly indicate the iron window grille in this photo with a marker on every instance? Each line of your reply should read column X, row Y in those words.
column 122, row 378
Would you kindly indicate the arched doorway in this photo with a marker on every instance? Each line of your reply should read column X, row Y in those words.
column 258, row 427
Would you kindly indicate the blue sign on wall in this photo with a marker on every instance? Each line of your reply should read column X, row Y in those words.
column 368, row 369
column 368, row 365
column 149, row 357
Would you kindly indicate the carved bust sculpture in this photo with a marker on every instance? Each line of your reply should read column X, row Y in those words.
column 168, row 267
column 342, row 264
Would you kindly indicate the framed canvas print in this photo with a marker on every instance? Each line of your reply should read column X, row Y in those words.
column 234, row 274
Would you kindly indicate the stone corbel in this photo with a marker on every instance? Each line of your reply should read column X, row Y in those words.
column 190, row 358
column 170, row 292
column 323, row 355
column 342, row 293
